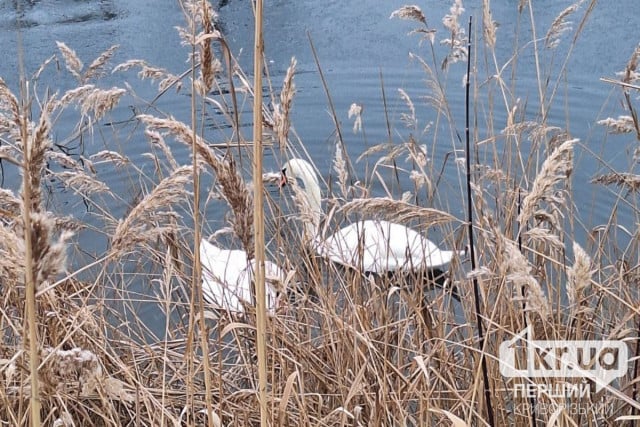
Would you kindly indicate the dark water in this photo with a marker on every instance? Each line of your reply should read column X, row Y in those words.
column 361, row 51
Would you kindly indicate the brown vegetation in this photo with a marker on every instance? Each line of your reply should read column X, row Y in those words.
column 115, row 336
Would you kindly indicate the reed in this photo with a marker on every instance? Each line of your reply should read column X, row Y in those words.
column 102, row 320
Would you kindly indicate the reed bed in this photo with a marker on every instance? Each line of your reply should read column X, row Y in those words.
column 118, row 333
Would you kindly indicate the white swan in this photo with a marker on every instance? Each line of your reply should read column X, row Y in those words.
column 227, row 276
column 371, row 245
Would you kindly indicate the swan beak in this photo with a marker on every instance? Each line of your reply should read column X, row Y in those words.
column 283, row 178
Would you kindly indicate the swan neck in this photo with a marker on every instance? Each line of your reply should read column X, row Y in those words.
column 312, row 193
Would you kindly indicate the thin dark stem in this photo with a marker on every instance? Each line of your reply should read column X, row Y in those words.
column 476, row 287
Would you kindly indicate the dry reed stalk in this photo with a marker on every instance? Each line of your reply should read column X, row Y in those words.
column 630, row 74
column 258, row 217
column 108, row 156
column 397, row 211
column 414, row 13
column 165, row 78
column 457, row 41
column 578, row 277
column 281, row 111
column 208, row 67
column 96, row 70
column 71, row 61
column 410, row 119
column 556, row 169
column 234, row 189
column 31, row 205
column 623, row 124
column 144, row 221
column 204, row 10
column 340, row 168
column 93, row 100
column 489, row 26
column 517, row 271
column 81, row 183
column 560, row 25
column 157, row 139
column 629, row 181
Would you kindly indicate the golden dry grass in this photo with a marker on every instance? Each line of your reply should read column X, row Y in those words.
column 112, row 333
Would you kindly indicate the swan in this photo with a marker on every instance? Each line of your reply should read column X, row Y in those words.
column 227, row 277
column 371, row 246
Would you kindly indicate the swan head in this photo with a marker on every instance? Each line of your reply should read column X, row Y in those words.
column 301, row 169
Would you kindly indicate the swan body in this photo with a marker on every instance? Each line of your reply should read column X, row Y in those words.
column 371, row 245
column 227, row 277
column 382, row 246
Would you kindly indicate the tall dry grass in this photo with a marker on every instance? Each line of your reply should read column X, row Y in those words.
column 114, row 327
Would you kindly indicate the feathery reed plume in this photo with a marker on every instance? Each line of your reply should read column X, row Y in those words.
column 10, row 118
column 518, row 272
column 410, row 119
column 35, row 149
column 49, row 256
column 625, row 180
column 239, row 198
column 144, row 222
column 64, row 160
column 157, row 139
column 93, row 100
column 71, row 61
column 555, row 169
column 234, row 189
column 281, row 111
column 457, row 41
column 11, row 257
column 544, row 236
column 560, row 25
column 437, row 98
column 355, row 110
column 10, row 205
column 578, row 277
column 81, row 183
column 95, row 70
column 489, row 26
column 623, row 124
column 340, row 167
column 412, row 13
column 630, row 74
column 395, row 210
column 165, row 78
column 108, row 156
column 208, row 68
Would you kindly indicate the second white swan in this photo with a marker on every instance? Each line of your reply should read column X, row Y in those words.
column 370, row 245
column 227, row 277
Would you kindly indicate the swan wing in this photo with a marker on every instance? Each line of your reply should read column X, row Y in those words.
column 372, row 246
column 381, row 246
column 224, row 281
